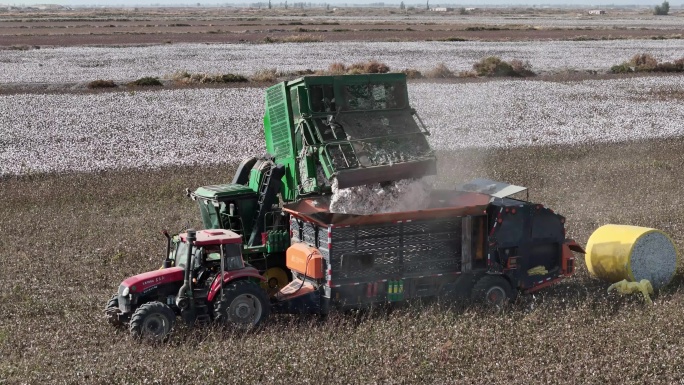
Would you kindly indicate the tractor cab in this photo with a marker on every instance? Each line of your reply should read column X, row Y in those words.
column 227, row 206
column 212, row 249
column 255, row 217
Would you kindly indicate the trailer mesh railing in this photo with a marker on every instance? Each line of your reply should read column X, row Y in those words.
column 386, row 251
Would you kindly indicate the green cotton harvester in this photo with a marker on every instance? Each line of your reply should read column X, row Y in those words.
column 350, row 130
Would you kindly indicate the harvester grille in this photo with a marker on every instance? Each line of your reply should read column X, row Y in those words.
column 277, row 111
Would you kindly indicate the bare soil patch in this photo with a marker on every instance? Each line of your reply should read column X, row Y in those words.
column 232, row 25
column 137, row 36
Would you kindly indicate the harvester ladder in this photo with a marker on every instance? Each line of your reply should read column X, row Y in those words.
column 269, row 188
column 262, row 193
column 202, row 315
column 263, row 189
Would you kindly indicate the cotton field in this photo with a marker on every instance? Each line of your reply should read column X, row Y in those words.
column 578, row 20
column 79, row 64
column 88, row 132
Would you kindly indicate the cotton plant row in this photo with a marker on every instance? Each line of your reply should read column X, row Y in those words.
column 519, row 113
column 83, row 64
column 90, row 132
column 54, row 133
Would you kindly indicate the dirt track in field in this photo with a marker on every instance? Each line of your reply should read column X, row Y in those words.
column 136, row 36
column 221, row 25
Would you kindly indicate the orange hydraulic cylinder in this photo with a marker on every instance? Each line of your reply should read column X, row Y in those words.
column 306, row 260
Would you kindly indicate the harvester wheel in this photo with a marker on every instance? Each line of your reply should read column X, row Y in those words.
column 152, row 321
column 244, row 305
column 493, row 291
column 112, row 309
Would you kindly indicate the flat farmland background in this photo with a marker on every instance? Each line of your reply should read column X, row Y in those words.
column 234, row 25
column 88, row 180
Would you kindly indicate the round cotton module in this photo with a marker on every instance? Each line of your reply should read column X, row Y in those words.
column 617, row 252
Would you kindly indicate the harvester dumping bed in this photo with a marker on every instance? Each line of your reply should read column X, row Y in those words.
column 356, row 129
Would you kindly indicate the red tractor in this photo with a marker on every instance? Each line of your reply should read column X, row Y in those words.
column 203, row 279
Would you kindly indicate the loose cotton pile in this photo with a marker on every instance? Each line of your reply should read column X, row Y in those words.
column 402, row 195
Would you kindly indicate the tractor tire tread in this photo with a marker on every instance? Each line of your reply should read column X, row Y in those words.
column 113, row 302
column 234, row 289
column 145, row 310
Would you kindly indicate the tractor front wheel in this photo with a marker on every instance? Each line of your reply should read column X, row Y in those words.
column 112, row 310
column 113, row 302
column 152, row 321
column 244, row 305
column 493, row 291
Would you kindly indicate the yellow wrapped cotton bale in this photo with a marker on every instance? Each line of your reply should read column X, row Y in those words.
column 617, row 252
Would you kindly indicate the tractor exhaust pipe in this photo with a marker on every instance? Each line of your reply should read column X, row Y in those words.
column 167, row 261
column 184, row 300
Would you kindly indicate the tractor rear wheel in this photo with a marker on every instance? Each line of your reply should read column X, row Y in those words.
column 112, row 309
column 493, row 291
column 244, row 305
column 152, row 321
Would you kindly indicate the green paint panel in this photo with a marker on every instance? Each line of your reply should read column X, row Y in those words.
column 278, row 132
column 221, row 191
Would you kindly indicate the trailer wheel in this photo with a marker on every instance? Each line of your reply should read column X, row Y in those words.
column 493, row 291
column 152, row 321
column 244, row 305
column 112, row 309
